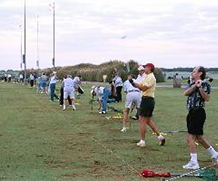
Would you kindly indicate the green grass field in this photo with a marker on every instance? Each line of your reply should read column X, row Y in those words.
column 40, row 142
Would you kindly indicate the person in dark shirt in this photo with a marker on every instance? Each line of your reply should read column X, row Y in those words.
column 198, row 91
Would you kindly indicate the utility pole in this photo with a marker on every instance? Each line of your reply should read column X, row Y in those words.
column 21, row 47
column 24, row 55
column 37, row 41
column 53, row 10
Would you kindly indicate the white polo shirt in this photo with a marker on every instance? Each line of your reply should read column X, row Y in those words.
column 68, row 84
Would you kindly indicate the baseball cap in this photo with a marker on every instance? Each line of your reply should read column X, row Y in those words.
column 141, row 68
column 150, row 65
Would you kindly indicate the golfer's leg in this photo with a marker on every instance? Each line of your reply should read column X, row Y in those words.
column 191, row 143
column 203, row 141
column 125, row 117
column 153, row 126
column 142, row 126
column 52, row 92
column 104, row 104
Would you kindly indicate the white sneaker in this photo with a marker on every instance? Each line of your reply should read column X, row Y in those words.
column 64, row 107
column 74, row 108
column 123, row 129
column 191, row 165
column 215, row 159
column 141, row 143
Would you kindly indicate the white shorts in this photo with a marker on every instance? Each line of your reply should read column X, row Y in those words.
column 69, row 93
column 133, row 98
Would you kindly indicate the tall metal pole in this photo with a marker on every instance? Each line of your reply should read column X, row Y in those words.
column 24, row 55
column 53, row 60
column 37, row 39
column 21, row 47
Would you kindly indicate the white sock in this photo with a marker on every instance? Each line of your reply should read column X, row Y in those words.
column 142, row 141
column 160, row 137
column 194, row 157
column 212, row 151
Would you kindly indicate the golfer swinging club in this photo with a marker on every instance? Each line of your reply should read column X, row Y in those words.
column 133, row 96
column 147, row 86
column 198, row 92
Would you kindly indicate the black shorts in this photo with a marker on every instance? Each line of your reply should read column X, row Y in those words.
column 195, row 121
column 147, row 106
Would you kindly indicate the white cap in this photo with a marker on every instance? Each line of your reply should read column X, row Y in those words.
column 141, row 68
column 92, row 89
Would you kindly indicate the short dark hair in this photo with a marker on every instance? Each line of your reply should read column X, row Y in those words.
column 203, row 71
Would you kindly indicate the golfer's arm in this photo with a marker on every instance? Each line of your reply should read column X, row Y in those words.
column 141, row 87
column 188, row 91
column 204, row 95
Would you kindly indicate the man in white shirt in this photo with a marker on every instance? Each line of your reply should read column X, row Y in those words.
column 68, row 85
column 133, row 97
column 32, row 78
column 118, row 84
column 102, row 93
column 21, row 78
column 141, row 76
column 77, row 82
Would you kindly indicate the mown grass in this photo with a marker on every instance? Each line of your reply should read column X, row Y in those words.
column 39, row 141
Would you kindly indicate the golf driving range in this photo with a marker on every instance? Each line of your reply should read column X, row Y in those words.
column 40, row 142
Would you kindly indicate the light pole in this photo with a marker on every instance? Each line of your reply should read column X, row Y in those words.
column 37, row 41
column 24, row 55
column 53, row 8
column 21, row 47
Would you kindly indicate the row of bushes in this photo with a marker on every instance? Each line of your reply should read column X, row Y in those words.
column 91, row 72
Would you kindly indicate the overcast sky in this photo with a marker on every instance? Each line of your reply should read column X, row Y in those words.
column 169, row 33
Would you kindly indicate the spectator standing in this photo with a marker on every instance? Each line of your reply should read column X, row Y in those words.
column 6, row 77
column 52, row 85
column 119, row 85
column 39, row 87
column 9, row 77
column 32, row 78
column 21, row 78
column 44, row 82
